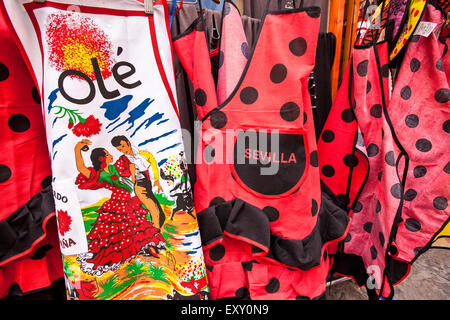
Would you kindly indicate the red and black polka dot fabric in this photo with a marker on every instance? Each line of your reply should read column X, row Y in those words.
column 32, row 261
column 242, row 256
column 420, row 112
column 272, row 100
column 379, row 157
column 379, row 203
column 233, row 53
column 357, row 152
column 343, row 168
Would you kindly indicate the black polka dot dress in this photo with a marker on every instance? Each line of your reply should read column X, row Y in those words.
column 357, row 151
column 378, row 160
column 30, row 258
column 261, row 211
column 421, row 119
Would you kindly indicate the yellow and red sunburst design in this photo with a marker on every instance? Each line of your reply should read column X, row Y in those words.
column 74, row 40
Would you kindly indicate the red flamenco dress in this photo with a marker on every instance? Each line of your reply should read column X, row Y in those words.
column 121, row 230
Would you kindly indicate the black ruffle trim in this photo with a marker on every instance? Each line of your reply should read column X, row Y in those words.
column 20, row 231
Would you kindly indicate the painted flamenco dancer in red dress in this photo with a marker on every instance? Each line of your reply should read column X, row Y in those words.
column 121, row 230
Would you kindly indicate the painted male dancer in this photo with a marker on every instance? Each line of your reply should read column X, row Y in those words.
column 145, row 170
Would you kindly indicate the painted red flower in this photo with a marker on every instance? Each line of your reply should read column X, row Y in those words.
column 64, row 221
column 87, row 127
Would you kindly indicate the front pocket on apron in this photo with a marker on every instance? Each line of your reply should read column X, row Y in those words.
column 270, row 163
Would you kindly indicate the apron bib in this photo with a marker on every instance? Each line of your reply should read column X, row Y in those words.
column 379, row 205
column 421, row 120
column 127, row 225
column 258, row 181
column 359, row 153
column 392, row 223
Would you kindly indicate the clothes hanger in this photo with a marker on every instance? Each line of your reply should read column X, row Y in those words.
column 148, row 6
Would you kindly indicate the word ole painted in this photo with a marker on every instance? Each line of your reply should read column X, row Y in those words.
column 119, row 77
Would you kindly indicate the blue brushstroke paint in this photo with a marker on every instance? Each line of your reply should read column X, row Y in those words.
column 115, row 121
column 186, row 244
column 135, row 114
column 139, row 111
column 54, row 121
column 162, row 162
column 55, row 154
column 55, row 142
column 198, row 248
column 51, row 98
column 192, row 234
column 170, row 147
column 157, row 138
column 157, row 116
column 191, row 252
column 114, row 108
column 173, row 9
column 162, row 121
